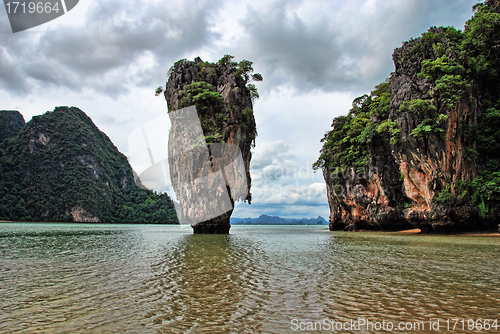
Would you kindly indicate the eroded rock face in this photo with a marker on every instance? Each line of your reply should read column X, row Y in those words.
column 209, row 153
column 403, row 179
column 81, row 216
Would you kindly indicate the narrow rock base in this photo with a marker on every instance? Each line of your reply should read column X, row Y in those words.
column 202, row 228
column 218, row 225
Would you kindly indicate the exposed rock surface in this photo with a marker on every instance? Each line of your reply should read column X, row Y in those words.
column 217, row 138
column 11, row 122
column 399, row 186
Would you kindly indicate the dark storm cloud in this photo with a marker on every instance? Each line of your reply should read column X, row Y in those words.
column 302, row 54
column 103, row 55
column 10, row 72
column 343, row 47
column 337, row 46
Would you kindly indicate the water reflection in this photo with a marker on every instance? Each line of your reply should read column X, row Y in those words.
column 412, row 278
column 65, row 278
column 164, row 279
column 218, row 282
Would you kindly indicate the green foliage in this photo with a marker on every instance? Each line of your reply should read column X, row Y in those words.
column 451, row 88
column 448, row 78
column 203, row 95
column 433, row 69
column 481, row 56
column 422, row 130
column 216, row 115
column 158, row 90
column 253, row 92
column 227, row 60
column 244, row 69
column 381, row 100
column 209, row 105
column 208, row 73
column 488, row 136
column 445, row 197
column 348, row 143
column 217, row 138
column 257, row 77
column 418, row 106
column 433, row 122
column 486, row 187
column 368, row 134
column 61, row 161
column 458, row 66
column 11, row 122
column 486, row 191
column 432, row 44
column 390, row 126
column 470, row 154
column 481, row 39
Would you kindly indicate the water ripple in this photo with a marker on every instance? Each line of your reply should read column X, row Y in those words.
column 62, row 278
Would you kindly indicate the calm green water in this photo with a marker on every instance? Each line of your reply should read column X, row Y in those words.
column 72, row 278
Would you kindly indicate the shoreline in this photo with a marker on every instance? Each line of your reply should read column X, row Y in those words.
column 417, row 231
column 414, row 231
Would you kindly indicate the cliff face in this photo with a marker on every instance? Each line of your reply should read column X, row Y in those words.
column 61, row 167
column 428, row 164
column 411, row 154
column 11, row 122
column 213, row 130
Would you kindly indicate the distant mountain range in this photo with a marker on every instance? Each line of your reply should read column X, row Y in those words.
column 275, row 220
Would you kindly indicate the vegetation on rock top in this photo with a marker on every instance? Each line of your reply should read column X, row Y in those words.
column 215, row 113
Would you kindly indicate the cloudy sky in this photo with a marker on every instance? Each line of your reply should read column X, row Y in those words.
column 107, row 57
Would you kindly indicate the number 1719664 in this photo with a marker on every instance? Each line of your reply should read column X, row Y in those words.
column 471, row 324
column 31, row 7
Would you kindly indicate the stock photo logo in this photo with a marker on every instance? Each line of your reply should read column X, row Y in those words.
column 28, row 14
column 207, row 178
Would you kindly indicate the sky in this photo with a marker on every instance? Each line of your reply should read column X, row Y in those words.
column 107, row 58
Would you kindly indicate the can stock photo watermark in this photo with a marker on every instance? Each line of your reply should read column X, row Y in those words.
column 171, row 153
column 24, row 14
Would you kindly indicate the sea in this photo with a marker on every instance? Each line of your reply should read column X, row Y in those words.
column 99, row 278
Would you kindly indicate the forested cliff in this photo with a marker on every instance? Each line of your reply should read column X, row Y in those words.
column 423, row 148
column 61, row 167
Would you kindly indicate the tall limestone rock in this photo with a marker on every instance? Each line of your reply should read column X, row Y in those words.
column 213, row 130
column 422, row 150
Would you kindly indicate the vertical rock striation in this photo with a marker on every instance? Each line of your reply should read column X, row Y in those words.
column 421, row 150
column 209, row 147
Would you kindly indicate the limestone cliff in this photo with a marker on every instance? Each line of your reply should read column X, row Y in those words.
column 216, row 136
column 61, row 167
column 421, row 150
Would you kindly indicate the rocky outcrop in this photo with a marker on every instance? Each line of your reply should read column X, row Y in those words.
column 417, row 173
column 428, row 164
column 61, row 167
column 11, row 123
column 81, row 216
column 213, row 130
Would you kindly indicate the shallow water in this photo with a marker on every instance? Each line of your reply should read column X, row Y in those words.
column 78, row 278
